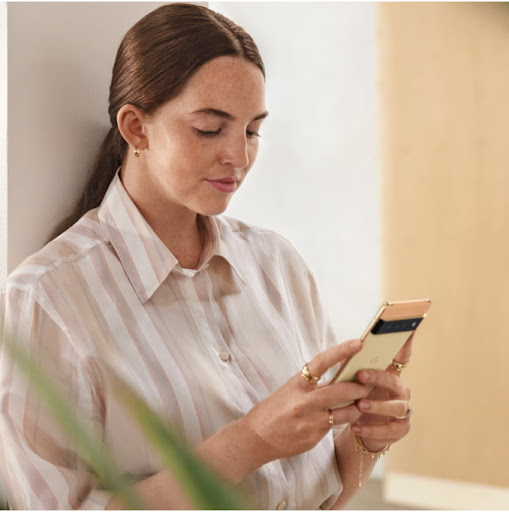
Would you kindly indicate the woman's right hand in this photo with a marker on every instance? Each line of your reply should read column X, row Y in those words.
column 296, row 416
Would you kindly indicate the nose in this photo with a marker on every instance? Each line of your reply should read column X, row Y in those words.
column 235, row 152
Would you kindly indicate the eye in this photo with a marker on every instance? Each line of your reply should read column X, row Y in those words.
column 251, row 134
column 205, row 133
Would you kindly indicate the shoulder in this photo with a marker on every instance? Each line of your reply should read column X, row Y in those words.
column 257, row 237
column 63, row 252
column 262, row 247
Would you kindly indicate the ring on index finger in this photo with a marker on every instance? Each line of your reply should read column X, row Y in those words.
column 306, row 374
column 399, row 367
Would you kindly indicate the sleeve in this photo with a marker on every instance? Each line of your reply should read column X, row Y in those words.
column 40, row 467
column 325, row 335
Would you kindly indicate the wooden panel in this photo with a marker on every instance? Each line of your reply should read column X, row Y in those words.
column 444, row 113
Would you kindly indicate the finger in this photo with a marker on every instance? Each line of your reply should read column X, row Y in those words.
column 405, row 352
column 389, row 381
column 334, row 355
column 390, row 408
column 328, row 396
column 390, row 431
column 349, row 414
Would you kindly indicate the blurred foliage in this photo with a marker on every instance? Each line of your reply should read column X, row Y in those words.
column 203, row 487
column 200, row 483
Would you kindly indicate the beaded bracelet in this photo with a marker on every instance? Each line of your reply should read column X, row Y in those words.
column 359, row 447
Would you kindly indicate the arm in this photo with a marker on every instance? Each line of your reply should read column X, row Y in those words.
column 289, row 422
column 40, row 467
column 348, row 460
column 232, row 453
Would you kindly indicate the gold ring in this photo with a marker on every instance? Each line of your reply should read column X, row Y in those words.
column 399, row 366
column 408, row 413
column 331, row 419
column 308, row 375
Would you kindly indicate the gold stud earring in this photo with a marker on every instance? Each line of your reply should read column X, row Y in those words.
column 136, row 152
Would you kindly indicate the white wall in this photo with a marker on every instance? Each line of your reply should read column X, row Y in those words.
column 316, row 179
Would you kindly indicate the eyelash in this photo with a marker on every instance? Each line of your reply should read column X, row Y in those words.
column 204, row 133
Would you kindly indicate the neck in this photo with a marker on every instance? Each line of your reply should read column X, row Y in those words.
column 178, row 228
column 183, row 236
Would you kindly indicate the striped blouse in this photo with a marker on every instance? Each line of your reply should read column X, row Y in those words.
column 202, row 347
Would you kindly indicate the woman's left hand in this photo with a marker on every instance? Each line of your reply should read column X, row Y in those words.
column 386, row 410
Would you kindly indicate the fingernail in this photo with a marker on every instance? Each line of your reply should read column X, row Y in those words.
column 355, row 343
column 365, row 376
column 364, row 405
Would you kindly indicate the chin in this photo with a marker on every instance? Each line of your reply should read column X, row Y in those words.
column 215, row 209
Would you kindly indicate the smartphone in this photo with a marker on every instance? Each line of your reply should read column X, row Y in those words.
column 391, row 327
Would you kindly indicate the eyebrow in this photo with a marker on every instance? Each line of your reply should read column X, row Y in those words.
column 225, row 115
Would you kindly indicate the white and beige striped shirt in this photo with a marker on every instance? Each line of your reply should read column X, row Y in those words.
column 202, row 347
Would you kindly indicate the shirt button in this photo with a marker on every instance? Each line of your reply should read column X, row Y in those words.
column 224, row 356
column 281, row 505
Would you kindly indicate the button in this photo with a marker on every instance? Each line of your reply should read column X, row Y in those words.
column 224, row 356
column 281, row 505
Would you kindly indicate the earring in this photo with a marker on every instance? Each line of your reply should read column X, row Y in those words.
column 136, row 152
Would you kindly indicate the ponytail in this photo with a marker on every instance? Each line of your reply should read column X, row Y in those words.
column 108, row 160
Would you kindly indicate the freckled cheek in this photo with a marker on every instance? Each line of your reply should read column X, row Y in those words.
column 199, row 151
column 183, row 154
column 184, row 146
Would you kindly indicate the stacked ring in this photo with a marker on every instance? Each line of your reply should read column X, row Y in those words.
column 331, row 419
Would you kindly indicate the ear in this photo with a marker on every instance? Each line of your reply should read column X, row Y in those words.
column 131, row 124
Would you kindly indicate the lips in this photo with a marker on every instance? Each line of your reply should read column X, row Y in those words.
column 226, row 184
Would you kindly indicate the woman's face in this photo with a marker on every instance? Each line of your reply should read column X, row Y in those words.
column 201, row 144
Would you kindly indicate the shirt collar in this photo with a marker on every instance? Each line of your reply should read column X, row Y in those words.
column 144, row 257
column 218, row 245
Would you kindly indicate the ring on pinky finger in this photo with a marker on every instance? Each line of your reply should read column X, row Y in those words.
column 405, row 416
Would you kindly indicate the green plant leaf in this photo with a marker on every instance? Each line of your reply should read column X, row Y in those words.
column 202, row 485
column 92, row 452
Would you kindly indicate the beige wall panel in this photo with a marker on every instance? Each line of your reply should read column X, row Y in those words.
column 444, row 110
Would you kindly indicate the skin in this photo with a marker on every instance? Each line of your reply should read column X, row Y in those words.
column 170, row 182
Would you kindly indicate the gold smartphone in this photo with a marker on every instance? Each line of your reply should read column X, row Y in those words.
column 383, row 338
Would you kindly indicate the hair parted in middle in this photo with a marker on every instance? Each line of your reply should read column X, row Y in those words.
column 161, row 52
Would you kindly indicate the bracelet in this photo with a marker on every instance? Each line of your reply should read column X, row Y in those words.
column 359, row 447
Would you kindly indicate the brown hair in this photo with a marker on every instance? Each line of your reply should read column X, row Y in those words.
column 154, row 62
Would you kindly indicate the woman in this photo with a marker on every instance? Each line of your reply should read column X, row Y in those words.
column 216, row 324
